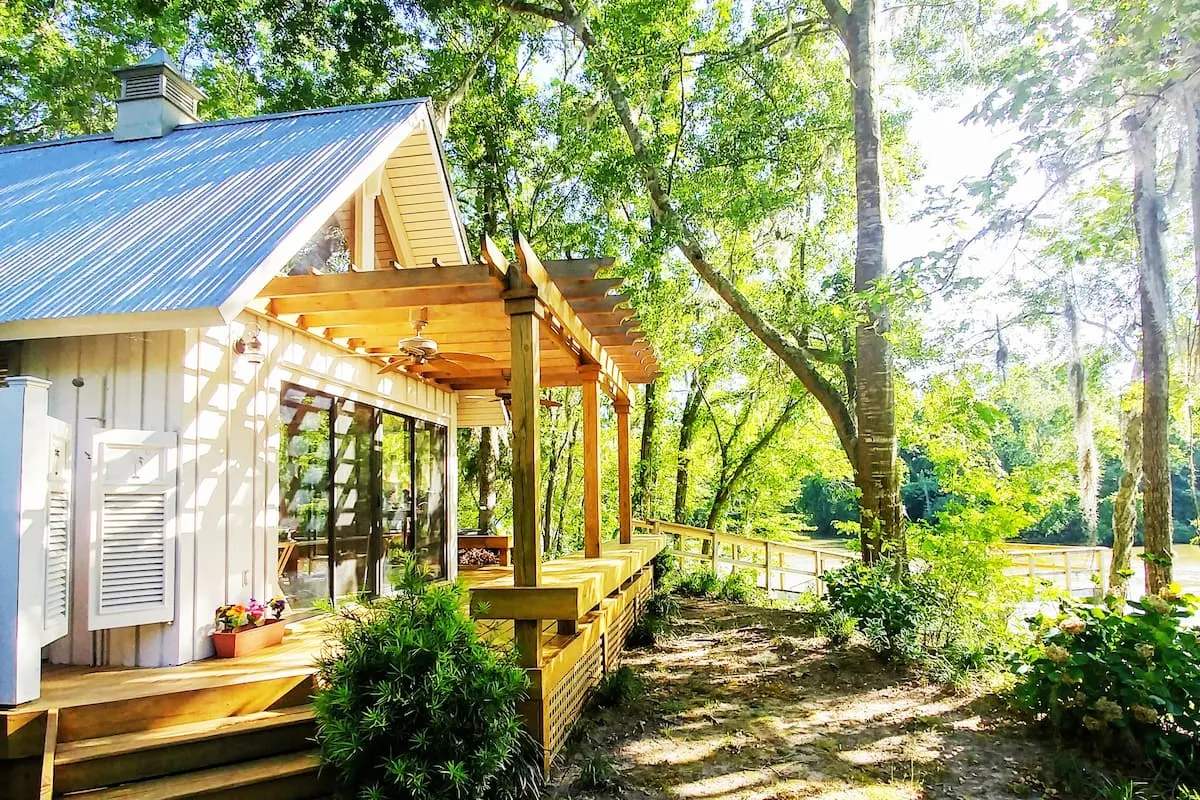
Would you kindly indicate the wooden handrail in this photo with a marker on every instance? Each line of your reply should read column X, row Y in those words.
column 1063, row 563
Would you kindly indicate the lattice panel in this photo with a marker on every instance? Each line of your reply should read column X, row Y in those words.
column 567, row 698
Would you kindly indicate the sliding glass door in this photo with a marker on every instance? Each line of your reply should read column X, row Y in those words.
column 358, row 486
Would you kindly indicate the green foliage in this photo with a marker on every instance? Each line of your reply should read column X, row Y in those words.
column 740, row 586
column 1125, row 682
column 597, row 774
column 414, row 704
column 699, row 582
column 661, row 610
column 837, row 626
column 618, row 688
column 892, row 613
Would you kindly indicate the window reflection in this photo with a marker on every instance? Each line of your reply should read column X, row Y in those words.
column 358, row 487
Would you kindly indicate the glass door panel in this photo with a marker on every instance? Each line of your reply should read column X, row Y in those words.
column 397, row 480
column 305, row 446
column 353, row 498
column 429, row 465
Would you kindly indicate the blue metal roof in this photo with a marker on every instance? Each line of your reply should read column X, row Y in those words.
column 93, row 227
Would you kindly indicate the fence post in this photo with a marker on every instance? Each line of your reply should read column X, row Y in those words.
column 1032, row 572
column 1102, row 587
column 819, row 567
column 767, row 562
column 1067, row 570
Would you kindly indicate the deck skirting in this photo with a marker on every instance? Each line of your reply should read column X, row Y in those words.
column 559, row 689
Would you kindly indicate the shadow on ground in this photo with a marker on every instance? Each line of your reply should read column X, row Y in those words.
column 745, row 703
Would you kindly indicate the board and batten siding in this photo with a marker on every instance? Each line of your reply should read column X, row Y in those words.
column 226, row 413
column 129, row 380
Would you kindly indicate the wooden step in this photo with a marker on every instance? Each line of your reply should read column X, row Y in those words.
column 164, row 706
column 288, row 777
column 112, row 760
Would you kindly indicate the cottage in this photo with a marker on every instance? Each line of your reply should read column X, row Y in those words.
column 236, row 354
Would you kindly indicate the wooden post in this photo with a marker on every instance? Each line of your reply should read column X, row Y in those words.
column 624, row 473
column 591, row 459
column 767, row 561
column 1032, row 571
column 1067, row 570
column 712, row 537
column 523, row 308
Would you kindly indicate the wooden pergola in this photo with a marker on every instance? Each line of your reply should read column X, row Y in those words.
column 539, row 324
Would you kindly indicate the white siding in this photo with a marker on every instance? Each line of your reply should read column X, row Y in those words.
column 226, row 413
column 128, row 381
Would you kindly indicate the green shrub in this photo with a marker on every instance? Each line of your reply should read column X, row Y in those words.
column 740, row 586
column 837, row 627
column 1125, row 682
column 414, row 705
column 661, row 610
column 618, row 688
column 598, row 775
column 890, row 612
column 664, row 565
column 700, row 582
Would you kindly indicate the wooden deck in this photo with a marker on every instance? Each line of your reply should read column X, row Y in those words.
column 93, row 722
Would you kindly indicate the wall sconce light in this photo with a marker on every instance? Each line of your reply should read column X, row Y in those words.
column 249, row 347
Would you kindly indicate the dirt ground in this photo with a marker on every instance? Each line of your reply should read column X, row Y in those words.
column 744, row 703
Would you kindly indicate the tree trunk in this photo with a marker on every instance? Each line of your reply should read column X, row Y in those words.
column 881, row 519
column 1192, row 370
column 643, row 488
column 485, row 463
column 1085, row 444
column 687, row 430
column 730, row 482
column 1124, row 515
column 556, row 544
column 1152, row 296
column 875, row 465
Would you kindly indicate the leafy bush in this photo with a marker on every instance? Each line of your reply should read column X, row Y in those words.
column 414, row 705
column 837, row 627
column 948, row 614
column 598, row 775
column 700, row 582
column 890, row 612
column 740, row 586
column 661, row 610
column 477, row 557
column 618, row 688
column 665, row 566
column 1125, row 682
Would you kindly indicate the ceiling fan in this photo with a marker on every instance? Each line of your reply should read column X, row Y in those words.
column 419, row 350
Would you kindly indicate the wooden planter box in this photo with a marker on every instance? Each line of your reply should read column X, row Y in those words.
column 248, row 639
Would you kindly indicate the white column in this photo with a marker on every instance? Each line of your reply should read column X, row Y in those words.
column 24, row 466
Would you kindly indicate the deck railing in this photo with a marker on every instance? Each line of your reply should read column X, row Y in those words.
column 794, row 568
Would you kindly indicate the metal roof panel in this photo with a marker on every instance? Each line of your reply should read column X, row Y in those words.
column 92, row 227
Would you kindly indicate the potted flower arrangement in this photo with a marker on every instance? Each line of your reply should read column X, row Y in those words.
column 242, row 629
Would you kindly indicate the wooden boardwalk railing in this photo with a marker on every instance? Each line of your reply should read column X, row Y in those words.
column 792, row 568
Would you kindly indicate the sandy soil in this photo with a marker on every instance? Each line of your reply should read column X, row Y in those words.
column 746, row 703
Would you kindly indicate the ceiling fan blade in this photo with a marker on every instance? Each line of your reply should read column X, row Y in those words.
column 394, row 365
column 446, row 365
column 469, row 358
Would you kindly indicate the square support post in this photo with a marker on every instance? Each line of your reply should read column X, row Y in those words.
column 624, row 478
column 527, row 541
column 591, row 460
column 24, row 484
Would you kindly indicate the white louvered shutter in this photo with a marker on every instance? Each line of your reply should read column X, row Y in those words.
column 132, row 569
column 57, row 603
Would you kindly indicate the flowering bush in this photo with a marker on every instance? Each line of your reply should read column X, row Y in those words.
column 477, row 557
column 232, row 617
column 1127, row 682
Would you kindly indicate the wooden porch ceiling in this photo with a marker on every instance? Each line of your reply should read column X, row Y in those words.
column 369, row 312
